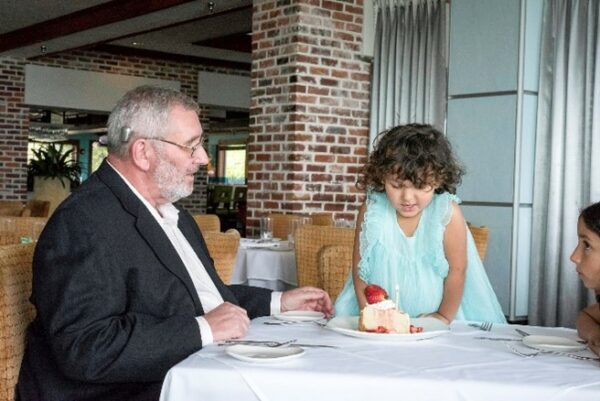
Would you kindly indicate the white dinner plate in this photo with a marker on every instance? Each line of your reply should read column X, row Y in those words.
column 348, row 325
column 262, row 354
column 553, row 343
column 300, row 316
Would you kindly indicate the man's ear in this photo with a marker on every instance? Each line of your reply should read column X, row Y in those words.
column 141, row 153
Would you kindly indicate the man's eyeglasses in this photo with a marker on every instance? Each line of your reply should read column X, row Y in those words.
column 191, row 149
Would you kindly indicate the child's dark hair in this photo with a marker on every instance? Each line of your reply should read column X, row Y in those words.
column 414, row 152
column 591, row 217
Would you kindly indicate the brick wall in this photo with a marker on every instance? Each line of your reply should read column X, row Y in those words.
column 309, row 111
column 14, row 116
column 14, row 123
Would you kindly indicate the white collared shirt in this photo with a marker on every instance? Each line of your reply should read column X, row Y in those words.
column 208, row 294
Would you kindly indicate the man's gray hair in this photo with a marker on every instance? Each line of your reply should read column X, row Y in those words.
column 145, row 112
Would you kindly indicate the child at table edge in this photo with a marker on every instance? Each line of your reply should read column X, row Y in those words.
column 586, row 257
column 411, row 233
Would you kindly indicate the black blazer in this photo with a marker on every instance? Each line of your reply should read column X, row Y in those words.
column 115, row 305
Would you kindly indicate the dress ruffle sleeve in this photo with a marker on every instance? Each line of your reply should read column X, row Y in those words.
column 441, row 213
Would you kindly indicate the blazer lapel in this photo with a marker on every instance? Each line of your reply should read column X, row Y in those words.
column 150, row 230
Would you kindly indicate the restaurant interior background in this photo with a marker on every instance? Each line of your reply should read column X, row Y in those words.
column 284, row 100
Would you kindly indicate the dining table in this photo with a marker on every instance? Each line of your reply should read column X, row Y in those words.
column 325, row 361
column 268, row 264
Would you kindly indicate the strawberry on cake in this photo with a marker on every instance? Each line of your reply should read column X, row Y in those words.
column 381, row 314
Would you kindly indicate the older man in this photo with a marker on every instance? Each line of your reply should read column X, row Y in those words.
column 123, row 283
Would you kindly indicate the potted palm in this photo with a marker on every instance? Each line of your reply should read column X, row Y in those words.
column 54, row 172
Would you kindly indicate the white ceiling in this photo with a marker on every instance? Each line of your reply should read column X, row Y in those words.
column 171, row 30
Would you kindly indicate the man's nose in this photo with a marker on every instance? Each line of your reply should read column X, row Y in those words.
column 200, row 156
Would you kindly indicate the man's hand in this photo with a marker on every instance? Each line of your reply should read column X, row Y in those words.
column 227, row 321
column 307, row 298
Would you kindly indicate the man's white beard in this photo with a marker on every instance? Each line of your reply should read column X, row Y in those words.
column 170, row 182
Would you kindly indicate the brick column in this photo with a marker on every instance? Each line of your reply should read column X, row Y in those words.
column 309, row 110
column 14, row 124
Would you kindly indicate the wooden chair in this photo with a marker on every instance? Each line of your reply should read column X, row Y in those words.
column 11, row 208
column 221, row 199
column 223, row 248
column 16, row 312
column 9, row 239
column 335, row 262
column 30, row 227
column 281, row 224
column 208, row 222
column 481, row 237
column 322, row 219
column 36, row 208
column 309, row 241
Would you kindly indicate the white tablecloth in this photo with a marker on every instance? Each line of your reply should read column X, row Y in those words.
column 454, row 366
column 270, row 266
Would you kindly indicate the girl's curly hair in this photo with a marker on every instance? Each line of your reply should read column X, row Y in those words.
column 591, row 217
column 415, row 152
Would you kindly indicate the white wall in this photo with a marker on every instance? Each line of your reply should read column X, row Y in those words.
column 81, row 90
column 224, row 90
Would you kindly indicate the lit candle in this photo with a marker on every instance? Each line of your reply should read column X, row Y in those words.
column 397, row 296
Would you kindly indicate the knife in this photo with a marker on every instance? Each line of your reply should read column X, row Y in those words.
column 521, row 332
column 525, row 334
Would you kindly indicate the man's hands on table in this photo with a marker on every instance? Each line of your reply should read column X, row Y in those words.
column 229, row 321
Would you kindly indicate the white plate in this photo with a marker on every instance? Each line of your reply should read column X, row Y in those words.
column 553, row 343
column 348, row 325
column 261, row 354
column 300, row 316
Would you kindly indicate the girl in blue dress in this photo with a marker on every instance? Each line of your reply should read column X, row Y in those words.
column 411, row 234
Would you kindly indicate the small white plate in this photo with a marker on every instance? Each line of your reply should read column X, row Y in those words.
column 261, row 354
column 300, row 316
column 553, row 343
column 348, row 325
column 281, row 248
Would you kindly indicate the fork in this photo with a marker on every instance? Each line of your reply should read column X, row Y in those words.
column 485, row 326
column 266, row 343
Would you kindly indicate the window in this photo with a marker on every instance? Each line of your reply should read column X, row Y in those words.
column 99, row 152
column 231, row 162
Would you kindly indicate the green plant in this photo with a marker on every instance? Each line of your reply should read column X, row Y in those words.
column 51, row 162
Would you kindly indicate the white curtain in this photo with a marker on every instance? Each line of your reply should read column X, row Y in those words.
column 409, row 66
column 567, row 163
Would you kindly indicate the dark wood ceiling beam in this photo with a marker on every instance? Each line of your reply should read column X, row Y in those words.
column 92, row 17
column 205, row 61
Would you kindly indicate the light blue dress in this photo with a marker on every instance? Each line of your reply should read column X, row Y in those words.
column 417, row 264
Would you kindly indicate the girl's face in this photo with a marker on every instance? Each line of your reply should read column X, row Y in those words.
column 405, row 198
column 586, row 256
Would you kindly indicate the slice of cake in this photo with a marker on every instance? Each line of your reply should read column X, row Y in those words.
column 381, row 315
